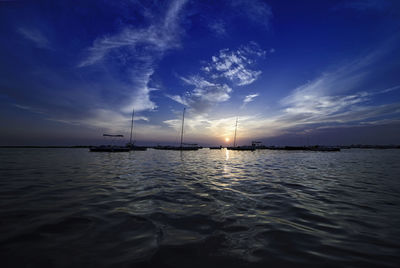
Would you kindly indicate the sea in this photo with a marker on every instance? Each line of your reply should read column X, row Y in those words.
column 206, row 208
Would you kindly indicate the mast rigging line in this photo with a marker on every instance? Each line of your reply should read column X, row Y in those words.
column 130, row 139
column 183, row 121
column 234, row 139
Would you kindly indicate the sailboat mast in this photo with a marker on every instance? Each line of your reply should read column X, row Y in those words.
column 130, row 139
column 234, row 138
column 183, row 121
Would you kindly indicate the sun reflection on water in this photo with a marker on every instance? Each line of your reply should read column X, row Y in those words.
column 227, row 168
column 226, row 154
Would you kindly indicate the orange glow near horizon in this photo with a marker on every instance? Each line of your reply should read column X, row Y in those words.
column 227, row 139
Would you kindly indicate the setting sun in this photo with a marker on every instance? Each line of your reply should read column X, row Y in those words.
column 227, row 139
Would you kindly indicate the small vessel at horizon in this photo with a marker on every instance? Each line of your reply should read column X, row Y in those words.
column 110, row 148
column 191, row 147
column 314, row 148
column 131, row 145
column 324, row 148
column 240, row 148
column 115, row 148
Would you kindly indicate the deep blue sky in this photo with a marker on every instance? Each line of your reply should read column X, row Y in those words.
column 324, row 72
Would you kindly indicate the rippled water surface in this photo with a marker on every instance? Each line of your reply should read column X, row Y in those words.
column 210, row 208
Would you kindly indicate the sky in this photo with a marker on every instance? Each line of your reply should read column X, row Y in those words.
column 292, row 72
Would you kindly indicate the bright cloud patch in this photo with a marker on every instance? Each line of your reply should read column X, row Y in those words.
column 250, row 98
column 236, row 65
column 229, row 68
column 204, row 95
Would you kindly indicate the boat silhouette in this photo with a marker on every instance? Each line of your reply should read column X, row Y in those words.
column 110, row 148
column 240, row 148
column 187, row 147
column 115, row 148
column 131, row 144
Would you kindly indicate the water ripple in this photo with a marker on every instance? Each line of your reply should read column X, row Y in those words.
column 63, row 208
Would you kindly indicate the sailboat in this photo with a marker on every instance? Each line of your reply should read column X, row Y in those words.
column 187, row 147
column 115, row 148
column 131, row 145
column 240, row 148
column 110, row 148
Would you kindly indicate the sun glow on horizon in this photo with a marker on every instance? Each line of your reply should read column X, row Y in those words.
column 227, row 139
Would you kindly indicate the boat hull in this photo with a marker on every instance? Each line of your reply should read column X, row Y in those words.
column 109, row 149
column 176, row 148
column 242, row 148
column 138, row 148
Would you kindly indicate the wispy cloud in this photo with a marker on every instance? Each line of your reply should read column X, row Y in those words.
column 248, row 99
column 311, row 110
column 111, row 77
column 337, row 96
column 144, row 46
column 34, row 36
column 343, row 79
column 100, row 119
column 365, row 113
column 204, row 95
column 140, row 97
column 335, row 110
column 29, row 108
column 23, row 107
column 158, row 37
column 236, row 65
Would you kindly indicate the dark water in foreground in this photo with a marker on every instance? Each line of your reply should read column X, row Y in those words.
column 72, row 208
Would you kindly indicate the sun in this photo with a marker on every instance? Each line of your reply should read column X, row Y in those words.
column 227, row 139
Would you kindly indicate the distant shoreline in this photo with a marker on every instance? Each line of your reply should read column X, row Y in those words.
column 42, row 147
column 357, row 146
